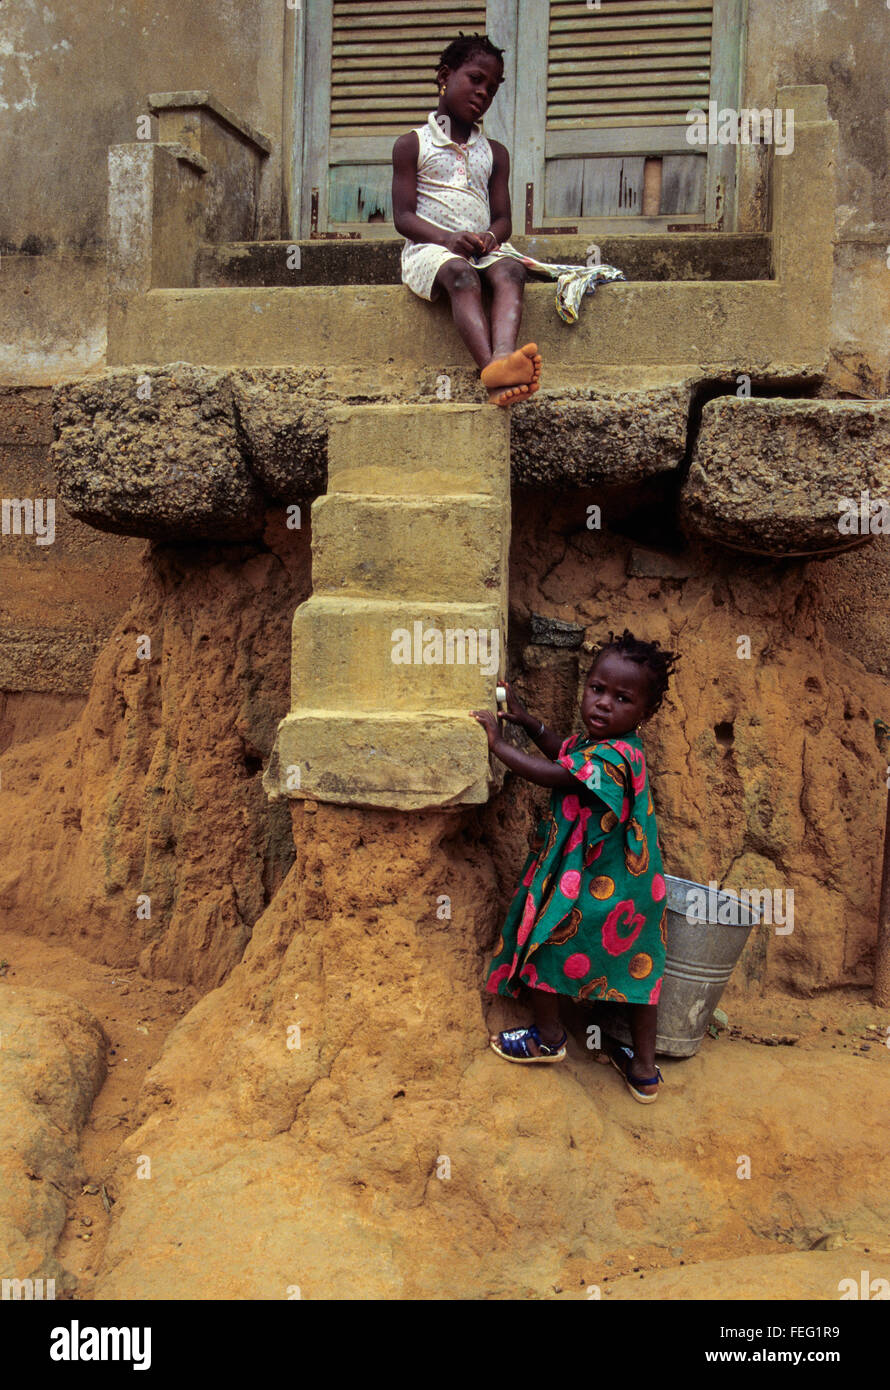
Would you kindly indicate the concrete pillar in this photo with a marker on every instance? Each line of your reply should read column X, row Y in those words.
column 406, row 629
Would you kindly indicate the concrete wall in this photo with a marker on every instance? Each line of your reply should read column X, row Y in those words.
column 845, row 47
column 74, row 80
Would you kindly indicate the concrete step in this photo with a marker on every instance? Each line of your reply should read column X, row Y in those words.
column 344, row 648
column 369, row 758
column 450, row 548
column 405, row 632
column 412, row 450
column 763, row 327
column 377, row 260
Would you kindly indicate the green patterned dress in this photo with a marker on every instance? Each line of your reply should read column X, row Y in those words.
column 589, row 916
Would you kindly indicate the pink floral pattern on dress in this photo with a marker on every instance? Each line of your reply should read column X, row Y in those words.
column 637, row 760
column 501, row 973
column 528, row 921
column 622, row 913
column 580, row 829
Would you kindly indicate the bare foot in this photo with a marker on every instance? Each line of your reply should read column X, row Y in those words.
column 509, row 370
column 509, row 395
column 531, row 352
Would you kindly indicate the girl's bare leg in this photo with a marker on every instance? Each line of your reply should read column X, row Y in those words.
column 509, row 365
column 462, row 285
column 643, row 1027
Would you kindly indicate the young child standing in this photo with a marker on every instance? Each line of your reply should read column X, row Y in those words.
column 588, row 919
column 451, row 200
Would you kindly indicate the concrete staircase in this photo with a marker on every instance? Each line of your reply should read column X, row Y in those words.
column 406, row 629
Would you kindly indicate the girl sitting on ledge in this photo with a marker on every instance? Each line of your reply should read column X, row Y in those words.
column 451, row 200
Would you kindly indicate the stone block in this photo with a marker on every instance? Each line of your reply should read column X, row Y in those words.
column 407, row 761
column 408, row 449
column 343, row 655
column 155, row 454
column 770, row 475
column 438, row 548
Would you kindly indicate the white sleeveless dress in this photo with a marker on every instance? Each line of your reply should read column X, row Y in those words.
column 452, row 192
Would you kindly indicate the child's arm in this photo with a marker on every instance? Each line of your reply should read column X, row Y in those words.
column 404, row 204
column 499, row 193
column 548, row 742
column 538, row 770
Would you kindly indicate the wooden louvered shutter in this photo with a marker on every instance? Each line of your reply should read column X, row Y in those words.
column 383, row 61
column 607, row 119
column 627, row 63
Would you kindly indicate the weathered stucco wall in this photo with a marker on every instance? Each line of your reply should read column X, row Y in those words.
column 845, row 47
column 58, row 601
column 73, row 81
column 766, row 768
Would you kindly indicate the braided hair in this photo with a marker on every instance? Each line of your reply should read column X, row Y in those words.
column 459, row 50
column 658, row 662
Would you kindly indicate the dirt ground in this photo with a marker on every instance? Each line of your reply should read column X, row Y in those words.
column 137, row 1015
column 789, row 1062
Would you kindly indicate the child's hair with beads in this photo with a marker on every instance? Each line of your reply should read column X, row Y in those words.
column 459, row 50
column 658, row 662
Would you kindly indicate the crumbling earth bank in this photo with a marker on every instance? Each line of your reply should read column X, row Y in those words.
column 328, row 1116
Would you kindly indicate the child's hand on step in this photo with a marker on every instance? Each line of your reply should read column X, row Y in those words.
column 489, row 724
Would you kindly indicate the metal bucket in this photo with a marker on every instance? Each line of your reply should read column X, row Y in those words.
column 699, row 960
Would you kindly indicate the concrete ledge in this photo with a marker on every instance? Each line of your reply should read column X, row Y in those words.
column 181, row 451
column 166, row 102
column 755, row 327
column 692, row 256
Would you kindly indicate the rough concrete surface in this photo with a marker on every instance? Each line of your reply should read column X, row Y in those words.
column 156, row 455
column 769, row 475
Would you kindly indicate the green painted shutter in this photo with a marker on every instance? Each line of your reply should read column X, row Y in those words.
column 604, row 128
column 627, row 62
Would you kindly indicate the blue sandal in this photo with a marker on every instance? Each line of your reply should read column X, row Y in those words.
column 513, row 1046
column 621, row 1058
